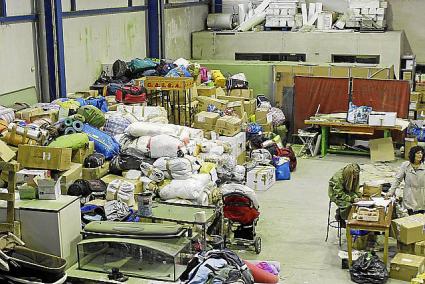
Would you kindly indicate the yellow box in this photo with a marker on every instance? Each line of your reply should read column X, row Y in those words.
column 228, row 125
column 244, row 93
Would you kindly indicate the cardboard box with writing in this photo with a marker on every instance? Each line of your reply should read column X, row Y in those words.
column 48, row 189
column 78, row 156
column 382, row 118
column 409, row 230
column 40, row 157
column 244, row 93
column 228, row 125
column 52, row 114
column 238, row 144
column 96, row 173
column 261, row 178
column 409, row 143
column 206, row 120
column 70, row 176
column 204, row 102
column 406, row 266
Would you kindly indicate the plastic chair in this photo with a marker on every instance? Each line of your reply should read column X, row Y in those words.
column 333, row 224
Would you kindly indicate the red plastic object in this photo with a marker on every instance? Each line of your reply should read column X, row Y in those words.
column 261, row 276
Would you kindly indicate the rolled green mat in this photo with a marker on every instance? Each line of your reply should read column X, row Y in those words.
column 78, row 126
column 79, row 117
column 70, row 130
column 68, row 121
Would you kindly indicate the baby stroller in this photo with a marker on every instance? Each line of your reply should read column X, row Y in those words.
column 240, row 209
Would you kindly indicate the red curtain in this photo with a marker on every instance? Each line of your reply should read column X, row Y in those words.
column 310, row 92
column 383, row 95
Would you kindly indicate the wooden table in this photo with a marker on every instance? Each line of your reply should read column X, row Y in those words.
column 347, row 128
column 383, row 225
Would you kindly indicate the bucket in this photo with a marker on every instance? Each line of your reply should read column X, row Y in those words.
column 144, row 201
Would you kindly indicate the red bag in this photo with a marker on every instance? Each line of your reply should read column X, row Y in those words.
column 131, row 94
column 288, row 153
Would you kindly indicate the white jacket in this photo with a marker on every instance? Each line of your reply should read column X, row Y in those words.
column 414, row 188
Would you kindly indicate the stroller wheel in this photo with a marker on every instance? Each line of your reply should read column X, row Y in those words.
column 257, row 245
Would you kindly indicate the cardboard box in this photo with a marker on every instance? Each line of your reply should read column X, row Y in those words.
column 403, row 248
column 204, row 102
column 96, row 173
column 27, row 113
column 206, row 91
column 372, row 189
column 382, row 118
column 228, row 125
column 48, row 189
column 70, row 176
column 409, row 143
column 382, row 150
column 261, row 178
column 78, row 156
column 415, row 97
column 409, row 230
column 241, row 159
column 206, row 120
column 406, row 266
column 244, row 93
column 407, row 75
column 420, row 248
column 249, row 105
column 52, row 114
column 27, row 176
column 238, row 108
column 40, row 157
column 237, row 143
column 263, row 116
column 6, row 154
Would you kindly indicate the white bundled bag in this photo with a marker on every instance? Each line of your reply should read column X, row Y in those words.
column 196, row 189
column 164, row 146
column 175, row 168
column 140, row 143
column 152, row 129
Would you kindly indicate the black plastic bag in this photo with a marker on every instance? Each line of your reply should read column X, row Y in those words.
column 368, row 268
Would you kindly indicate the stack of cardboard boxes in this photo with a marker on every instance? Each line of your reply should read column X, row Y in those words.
column 373, row 10
column 410, row 260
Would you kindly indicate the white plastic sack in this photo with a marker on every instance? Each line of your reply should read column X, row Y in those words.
column 141, row 143
column 164, row 146
column 175, row 168
column 152, row 129
column 196, row 188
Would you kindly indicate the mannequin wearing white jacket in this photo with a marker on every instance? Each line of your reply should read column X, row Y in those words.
column 413, row 174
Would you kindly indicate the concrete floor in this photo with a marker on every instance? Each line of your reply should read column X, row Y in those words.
column 293, row 224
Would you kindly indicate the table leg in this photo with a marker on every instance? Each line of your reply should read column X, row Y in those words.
column 387, row 234
column 349, row 246
column 387, row 133
column 325, row 140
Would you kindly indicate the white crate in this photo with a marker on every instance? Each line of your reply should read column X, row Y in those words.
column 380, row 11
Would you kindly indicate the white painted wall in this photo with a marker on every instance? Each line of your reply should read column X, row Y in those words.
column 91, row 41
column 19, row 7
column 179, row 25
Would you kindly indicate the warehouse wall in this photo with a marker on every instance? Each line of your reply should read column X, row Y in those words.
column 401, row 15
column 179, row 23
column 92, row 40
column 18, row 53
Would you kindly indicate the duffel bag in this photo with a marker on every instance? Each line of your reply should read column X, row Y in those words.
column 130, row 94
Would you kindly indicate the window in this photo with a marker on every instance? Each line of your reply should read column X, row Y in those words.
column 298, row 57
column 365, row 59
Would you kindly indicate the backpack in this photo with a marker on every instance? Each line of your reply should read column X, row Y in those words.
column 289, row 153
column 120, row 69
column 139, row 65
column 235, row 272
column 130, row 94
column 128, row 159
column 94, row 160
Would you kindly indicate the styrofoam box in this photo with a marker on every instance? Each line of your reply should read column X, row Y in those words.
column 382, row 118
column 372, row 11
column 383, row 4
column 364, row 4
column 380, row 17
column 380, row 11
column 365, row 11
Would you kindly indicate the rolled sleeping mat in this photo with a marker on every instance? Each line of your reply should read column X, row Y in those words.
column 78, row 126
column 70, row 130
column 68, row 121
column 34, row 134
column 60, row 127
